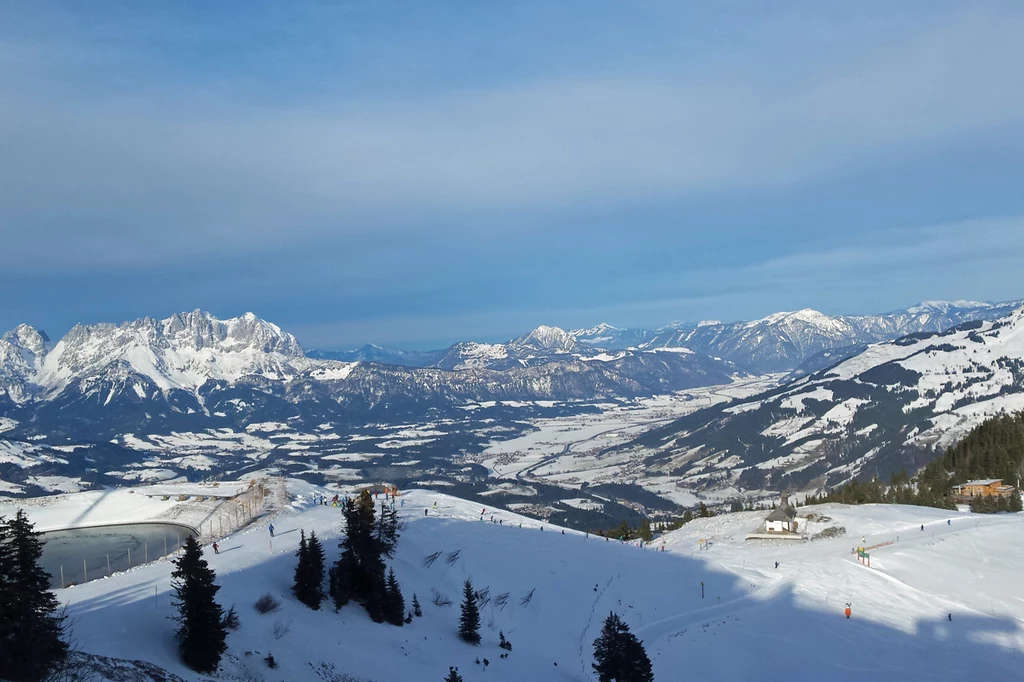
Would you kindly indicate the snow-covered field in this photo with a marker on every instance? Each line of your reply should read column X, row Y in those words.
column 753, row 622
column 569, row 451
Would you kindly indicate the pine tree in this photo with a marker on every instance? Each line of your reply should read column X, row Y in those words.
column 1015, row 502
column 300, row 586
column 619, row 655
column 645, row 531
column 394, row 608
column 359, row 571
column 386, row 531
column 469, row 621
column 201, row 633
column 687, row 516
column 416, row 610
column 703, row 511
column 340, row 580
column 453, row 675
column 624, row 532
column 316, row 570
column 31, row 622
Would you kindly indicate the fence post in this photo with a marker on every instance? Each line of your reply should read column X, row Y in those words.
column 146, row 548
column 85, row 572
column 129, row 557
column 62, row 576
column 108, row 564
column 165, row 545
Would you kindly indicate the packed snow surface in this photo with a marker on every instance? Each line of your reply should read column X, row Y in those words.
column 754, row 621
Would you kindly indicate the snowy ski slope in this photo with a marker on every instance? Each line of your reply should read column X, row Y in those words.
column 754, row 622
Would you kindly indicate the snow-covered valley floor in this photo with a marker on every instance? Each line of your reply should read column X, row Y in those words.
column 754, row 621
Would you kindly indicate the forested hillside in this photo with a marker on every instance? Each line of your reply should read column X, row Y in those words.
column 993, row 449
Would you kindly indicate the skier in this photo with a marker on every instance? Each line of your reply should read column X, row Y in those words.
column 951, row 618
column 949, row 522
column 922, row 526
column 776, row 565
column 216, row 548
column 435, row 505
column 403, row 501
column 847, row 610
column 425, row 511
column 271, row 529
column 483, row 511
column 563, row 531
column 501, row 522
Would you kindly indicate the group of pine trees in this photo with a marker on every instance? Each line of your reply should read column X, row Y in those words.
column 993, row 449
column 359, row 574
column 33, row 644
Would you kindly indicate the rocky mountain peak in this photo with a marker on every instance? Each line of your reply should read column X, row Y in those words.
column 32, row 343
column 551, row 339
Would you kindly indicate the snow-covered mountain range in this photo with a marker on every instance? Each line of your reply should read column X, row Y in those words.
column 803, row 341
column 160, row 373
column 196, row 395
column 885, row 408
column 786, row 341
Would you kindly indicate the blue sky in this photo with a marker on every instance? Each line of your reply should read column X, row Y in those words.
column 416, row 173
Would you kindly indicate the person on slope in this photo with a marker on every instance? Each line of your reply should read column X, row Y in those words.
column 271, row 529
column 847, row 610
column 776, row 564
column 216, row 548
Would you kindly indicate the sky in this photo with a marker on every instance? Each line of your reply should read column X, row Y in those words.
column 417, row 173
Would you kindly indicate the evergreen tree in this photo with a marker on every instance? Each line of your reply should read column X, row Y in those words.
column 300, row 584
column 386, row 531
column 31, row 622
column 416, row 610
column 453, row 675
column 340, row 580
column 359, row 572
column 201, row 632
column 645, row 531
column 309, row 572
column 394, row 607
column 703, row 511
column 687, row 516
column 619, row 655
column 1015, row 502
column 624, row 532
column 469, row 621
column 317, row 561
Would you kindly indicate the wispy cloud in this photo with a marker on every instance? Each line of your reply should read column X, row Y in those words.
column 678, row 166
column 143, row 176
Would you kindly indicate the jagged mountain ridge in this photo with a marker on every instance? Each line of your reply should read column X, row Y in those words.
column 885, row 408
column 151, row 372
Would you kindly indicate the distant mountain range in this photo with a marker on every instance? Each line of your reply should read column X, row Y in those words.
column 884, row 408
column 169, row 373
column 195, row 392
column 803, row 341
